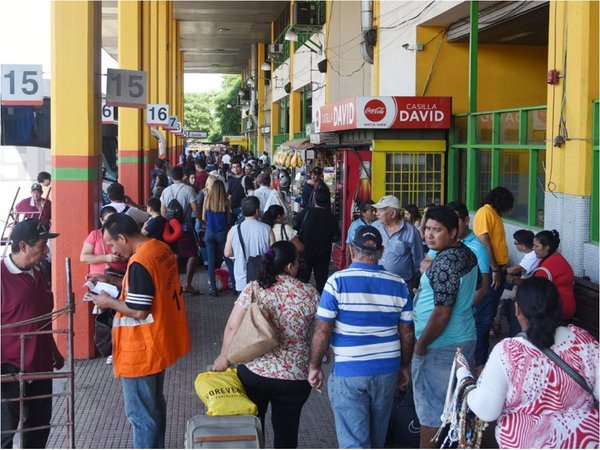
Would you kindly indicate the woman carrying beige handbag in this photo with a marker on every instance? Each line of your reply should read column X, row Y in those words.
column 278, row 376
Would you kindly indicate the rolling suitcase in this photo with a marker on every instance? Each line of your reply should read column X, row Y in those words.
column 224, row 432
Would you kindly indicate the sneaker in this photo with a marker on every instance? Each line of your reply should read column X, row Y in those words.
column 213, row 292
column 109, row 360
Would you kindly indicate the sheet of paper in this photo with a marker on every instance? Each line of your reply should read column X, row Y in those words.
column 100, row 286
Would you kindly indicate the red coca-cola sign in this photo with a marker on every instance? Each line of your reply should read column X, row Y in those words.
column 375, row 110
column 385, row 113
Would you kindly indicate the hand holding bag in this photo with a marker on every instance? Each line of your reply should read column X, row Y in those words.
column 256, row 334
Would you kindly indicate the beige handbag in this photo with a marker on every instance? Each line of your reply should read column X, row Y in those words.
column 256, row 334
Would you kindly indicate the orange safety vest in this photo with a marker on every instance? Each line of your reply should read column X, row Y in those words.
column 149, row 346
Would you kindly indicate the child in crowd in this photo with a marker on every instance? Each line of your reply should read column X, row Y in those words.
column 524, row 244
column 523, row 241
column 155, row 225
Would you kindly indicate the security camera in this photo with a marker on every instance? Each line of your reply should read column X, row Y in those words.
column 405, row 46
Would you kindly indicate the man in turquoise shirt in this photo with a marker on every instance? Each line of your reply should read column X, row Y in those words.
column 443, row 319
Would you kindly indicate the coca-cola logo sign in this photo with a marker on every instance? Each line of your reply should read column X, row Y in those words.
column 375, row 110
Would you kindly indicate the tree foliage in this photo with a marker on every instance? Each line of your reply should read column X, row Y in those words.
column 208, row 111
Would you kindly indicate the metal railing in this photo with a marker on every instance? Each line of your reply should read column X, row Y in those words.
column 23, row 377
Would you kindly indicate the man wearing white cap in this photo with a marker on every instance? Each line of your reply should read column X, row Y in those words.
column 403, row 251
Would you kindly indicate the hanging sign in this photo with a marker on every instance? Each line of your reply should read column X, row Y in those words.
column 157, row 114
column 22, row 84
column 126, row 88
column 107, row 114
column 385, row 113
column 171, row 123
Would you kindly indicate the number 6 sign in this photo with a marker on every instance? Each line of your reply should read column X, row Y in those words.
column 126, row 88
column 22, row 84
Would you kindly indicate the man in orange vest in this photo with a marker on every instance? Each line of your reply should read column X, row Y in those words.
column 150, row 329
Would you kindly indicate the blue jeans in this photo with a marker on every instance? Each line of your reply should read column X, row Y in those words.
column 485, row 313
column 215, row 245
column 362, row 407
column 430, row 376
column 146, row 409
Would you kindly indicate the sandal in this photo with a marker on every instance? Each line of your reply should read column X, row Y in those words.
column 191, row 290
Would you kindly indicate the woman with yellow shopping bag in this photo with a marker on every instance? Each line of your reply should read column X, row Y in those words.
column 278, row 376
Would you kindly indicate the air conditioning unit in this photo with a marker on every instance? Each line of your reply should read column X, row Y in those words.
column 275, row 49
column 306, row 15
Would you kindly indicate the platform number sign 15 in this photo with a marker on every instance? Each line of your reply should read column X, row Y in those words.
column 22, row 84
column 126, row 88
column 157, row 114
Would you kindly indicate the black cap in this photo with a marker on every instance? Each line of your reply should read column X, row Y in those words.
column 317, row 170
column 30, row 231
column 36, row 187
column 367, row 238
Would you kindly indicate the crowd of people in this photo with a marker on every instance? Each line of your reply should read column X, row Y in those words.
column 419, row 285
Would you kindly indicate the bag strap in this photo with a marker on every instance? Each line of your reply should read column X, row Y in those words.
column 239, row 226
column 568, row 370
column 303, row 222
column 284, row 233
column 545, row 270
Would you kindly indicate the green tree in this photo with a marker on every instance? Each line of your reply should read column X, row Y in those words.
column 199, row 112
column 229, row 118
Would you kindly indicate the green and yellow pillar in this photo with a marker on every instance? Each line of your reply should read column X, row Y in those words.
column 76, row 154
column 131, row 120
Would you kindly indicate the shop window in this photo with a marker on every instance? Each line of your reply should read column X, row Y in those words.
column 514, row 176
column 536, row 126
column 485, row 174
column 483, row 124
column 460, row 130
column 415, row 177
column 461, row 192
column 540, row 187
column 509, row 127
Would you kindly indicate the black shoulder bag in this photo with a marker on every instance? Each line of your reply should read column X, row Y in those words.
column 568, row 370
column 252, row 262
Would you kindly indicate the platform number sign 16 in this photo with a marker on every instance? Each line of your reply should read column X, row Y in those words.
column 157, row 114
column 126, row 88
column 22, row 84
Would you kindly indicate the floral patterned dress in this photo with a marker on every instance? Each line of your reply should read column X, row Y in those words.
column 292, row 305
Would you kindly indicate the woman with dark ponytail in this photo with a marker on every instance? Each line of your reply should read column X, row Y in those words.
column 554, row 267
column 278, row 377
column 535, row 402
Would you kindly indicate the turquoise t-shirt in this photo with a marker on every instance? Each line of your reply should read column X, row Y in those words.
column 352, row 229
column 450, row 280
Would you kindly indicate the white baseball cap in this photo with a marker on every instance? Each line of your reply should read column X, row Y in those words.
column 387, row 201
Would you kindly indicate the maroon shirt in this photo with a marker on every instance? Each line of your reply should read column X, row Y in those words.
column 31, row 212
column 200, row 182
column 25, row 297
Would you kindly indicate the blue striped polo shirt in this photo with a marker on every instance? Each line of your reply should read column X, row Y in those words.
column 367, row 304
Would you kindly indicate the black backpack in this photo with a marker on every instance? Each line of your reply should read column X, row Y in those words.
column 175, row 210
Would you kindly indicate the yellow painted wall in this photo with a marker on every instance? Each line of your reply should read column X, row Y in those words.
column 509, row 76
column 576, row 25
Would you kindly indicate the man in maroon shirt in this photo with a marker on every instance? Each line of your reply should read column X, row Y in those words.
column 201, row 175
column 35, row 207
column 26, row 296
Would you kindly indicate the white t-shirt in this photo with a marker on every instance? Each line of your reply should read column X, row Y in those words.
column 529, row 262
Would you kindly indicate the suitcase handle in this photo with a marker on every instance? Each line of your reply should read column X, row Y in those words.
column 239, row 437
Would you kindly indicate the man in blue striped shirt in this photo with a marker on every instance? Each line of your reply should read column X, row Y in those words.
column 366, row 315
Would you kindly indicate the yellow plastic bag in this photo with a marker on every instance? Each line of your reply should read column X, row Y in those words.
column 223, row 394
